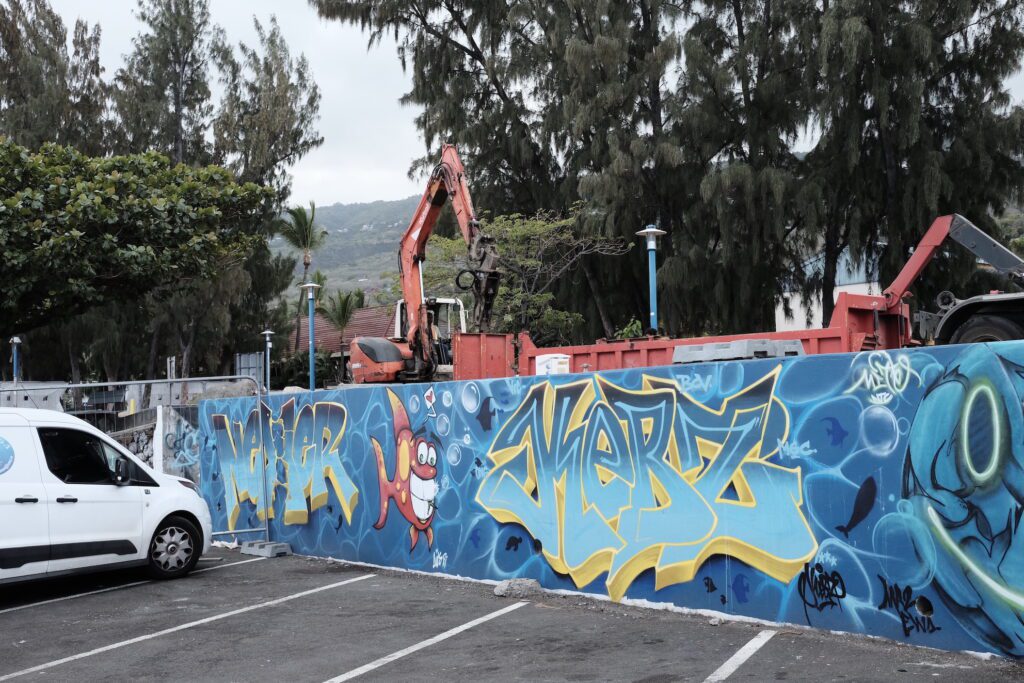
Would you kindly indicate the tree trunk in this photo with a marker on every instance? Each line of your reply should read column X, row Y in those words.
column 154, row 347
column 298, row 309
column 828, row 279
column 602, row 310
column 186, row 352
column 76, row 368
column 109, row 368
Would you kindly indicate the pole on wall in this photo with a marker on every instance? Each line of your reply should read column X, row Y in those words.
column 267, row 334
column 311, row 288
column 15, row 343
column 651, row 234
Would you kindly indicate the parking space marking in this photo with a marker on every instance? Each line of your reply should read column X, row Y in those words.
column 116, row 588
column 183, row 627
column 736, row 661
column 376, row 664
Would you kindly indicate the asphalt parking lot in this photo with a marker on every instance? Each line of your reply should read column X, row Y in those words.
column 306, row 619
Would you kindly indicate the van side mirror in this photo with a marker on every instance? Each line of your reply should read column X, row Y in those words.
column 122, row 473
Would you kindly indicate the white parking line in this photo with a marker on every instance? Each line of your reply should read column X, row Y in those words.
column 736, row 661
column 191, row 624
column 117, row 588
column 376, row 664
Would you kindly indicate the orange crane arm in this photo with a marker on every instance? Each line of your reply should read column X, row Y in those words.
column 922, row 256
column 447, row 182
column 969, row 236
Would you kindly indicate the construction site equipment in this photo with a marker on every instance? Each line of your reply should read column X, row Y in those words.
column 416, row 355
column 860, row 322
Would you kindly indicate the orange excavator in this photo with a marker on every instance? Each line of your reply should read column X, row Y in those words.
column 415, row 355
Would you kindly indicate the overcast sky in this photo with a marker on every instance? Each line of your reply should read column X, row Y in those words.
column 369, row 138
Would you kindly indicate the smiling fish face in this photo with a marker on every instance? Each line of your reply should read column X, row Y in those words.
column 965, row 481
column 423, row 483
column 412, row 487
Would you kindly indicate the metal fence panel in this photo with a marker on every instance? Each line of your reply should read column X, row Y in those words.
column 156, row 420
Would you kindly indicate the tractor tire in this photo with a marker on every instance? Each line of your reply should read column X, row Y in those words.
column 987, row 328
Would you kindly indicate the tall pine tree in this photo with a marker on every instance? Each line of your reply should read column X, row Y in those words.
column 915, row 122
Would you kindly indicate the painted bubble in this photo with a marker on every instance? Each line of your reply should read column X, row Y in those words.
column 414, row 404
column 466, row 439
column 6, row 455
column 443, row 425
column 879, row 430
column 454, row 454
column 471, row 398
column 446, row 399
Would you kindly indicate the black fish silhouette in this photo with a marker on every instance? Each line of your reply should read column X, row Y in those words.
column 835, row 431
column 485, row 414
column 861, row 506
column 513, row 543
column 709, row 584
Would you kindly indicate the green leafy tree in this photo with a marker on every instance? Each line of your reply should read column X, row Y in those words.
column 78, row 231
column 266, row 120
column 260, row 306
column 552, row 102
column 47, row 94
column 299, row 230
column 160, row 101
column 537, row 253
column 162, row 94
column 916, row 122
column 741, row 105
column 472, row 66
column 339, row 307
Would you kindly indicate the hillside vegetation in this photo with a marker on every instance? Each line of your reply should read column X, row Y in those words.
column 361, row 251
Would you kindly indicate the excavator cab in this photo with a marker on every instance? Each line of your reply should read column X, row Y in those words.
column 447, row 316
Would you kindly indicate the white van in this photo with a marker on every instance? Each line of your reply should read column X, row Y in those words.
column 73, row 500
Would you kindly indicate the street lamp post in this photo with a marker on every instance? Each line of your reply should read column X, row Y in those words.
column 651, row 234
column 267, row 334
column 15, row 343
column 311, row 288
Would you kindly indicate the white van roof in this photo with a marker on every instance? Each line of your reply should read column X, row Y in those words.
column 22, row 416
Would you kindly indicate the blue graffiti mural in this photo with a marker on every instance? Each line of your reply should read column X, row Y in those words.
column 877, row 493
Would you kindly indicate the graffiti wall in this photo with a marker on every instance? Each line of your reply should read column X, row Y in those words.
column 181, row 441
column 878, row 493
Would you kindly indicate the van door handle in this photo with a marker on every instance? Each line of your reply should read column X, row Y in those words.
column 26, row 499
column 67, row 499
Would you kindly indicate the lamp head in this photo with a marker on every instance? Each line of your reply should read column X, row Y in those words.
column 651, row 234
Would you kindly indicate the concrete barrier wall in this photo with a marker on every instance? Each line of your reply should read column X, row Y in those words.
column 878, row 493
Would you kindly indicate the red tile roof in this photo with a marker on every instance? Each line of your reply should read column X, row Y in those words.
column 373, row 321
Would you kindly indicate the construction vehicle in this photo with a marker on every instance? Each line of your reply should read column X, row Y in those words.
column 419, row 350
column 860, row 322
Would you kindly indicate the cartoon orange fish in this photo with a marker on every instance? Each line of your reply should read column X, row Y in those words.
column 414, row 486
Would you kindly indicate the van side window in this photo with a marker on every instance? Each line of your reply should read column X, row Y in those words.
column 76, row 457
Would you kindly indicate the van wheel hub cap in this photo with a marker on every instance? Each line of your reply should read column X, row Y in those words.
column 172, row 549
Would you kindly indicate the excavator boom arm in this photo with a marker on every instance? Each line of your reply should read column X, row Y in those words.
column 447, row 183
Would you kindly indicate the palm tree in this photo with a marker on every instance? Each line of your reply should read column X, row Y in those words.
column 301, row 232
column 340, row 306
column 318, row 279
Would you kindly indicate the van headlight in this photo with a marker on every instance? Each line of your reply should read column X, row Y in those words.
column 190, row 485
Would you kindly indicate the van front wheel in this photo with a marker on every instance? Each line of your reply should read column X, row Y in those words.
column 175, row 549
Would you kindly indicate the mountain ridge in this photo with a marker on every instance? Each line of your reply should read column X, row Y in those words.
column 362, row 243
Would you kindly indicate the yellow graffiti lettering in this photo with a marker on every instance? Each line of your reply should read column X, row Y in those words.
column 617, row 481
